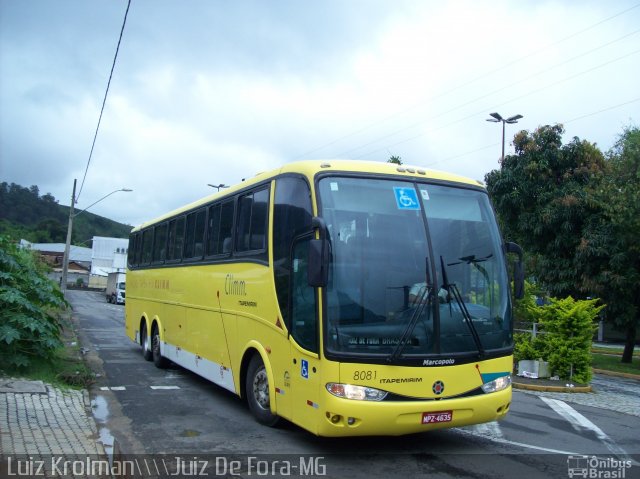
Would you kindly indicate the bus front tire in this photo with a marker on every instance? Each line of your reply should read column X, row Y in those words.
column 257, row 389
column 145, row 341
column 160, row 361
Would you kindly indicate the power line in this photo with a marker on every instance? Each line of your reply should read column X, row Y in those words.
column 485, row 75
column 601, row 111
column 486, row 95
column 571, row 77
column 104, row 101
column 493, row 145
column 486, row 147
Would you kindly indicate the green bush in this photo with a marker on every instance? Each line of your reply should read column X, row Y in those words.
column 29, row 308
column 569, row 325
column 566, row 327
column 525, row 347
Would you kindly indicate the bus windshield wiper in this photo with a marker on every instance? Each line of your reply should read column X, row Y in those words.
column 471, row 259
column 424, row 299
column 455, row 292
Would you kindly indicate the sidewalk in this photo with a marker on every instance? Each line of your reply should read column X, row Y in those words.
column 40, row 420
column 606, row 391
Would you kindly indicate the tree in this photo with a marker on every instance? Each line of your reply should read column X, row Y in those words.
column 541, row 195
column 609, row 250
column 395, row 159
column 29, row 308
column 576, row 214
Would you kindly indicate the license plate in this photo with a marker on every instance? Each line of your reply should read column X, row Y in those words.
column 438, row 416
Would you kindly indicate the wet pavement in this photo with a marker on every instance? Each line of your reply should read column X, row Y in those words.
column 608, row 392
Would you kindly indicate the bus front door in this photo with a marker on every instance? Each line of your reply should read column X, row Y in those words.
column 305, row 372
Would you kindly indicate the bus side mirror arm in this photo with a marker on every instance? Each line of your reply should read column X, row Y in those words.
column 318, row 262
column 518, row 270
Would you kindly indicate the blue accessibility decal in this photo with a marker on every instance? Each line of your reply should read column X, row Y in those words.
column 304, row 368
column 406, row 198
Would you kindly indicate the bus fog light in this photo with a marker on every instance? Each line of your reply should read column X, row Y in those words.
column 359, row 393
column 351, row 421
column 497, row 384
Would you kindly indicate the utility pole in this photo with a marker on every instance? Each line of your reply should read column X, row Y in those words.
column 67, row 246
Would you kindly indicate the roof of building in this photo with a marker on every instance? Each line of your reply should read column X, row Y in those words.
column 76, row 253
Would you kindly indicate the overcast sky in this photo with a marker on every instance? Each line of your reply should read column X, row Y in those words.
column 216, row 91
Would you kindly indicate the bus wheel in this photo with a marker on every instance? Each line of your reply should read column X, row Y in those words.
column 160, row 361
column 147, row 354
column 257, row 389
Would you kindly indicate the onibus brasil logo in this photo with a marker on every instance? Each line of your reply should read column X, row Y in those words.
column 597, row 467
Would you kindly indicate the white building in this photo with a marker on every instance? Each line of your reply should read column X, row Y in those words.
column 108, row 255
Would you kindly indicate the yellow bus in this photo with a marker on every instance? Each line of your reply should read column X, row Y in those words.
column 348, row 297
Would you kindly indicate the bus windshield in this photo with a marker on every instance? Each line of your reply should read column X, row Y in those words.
column 417, row 270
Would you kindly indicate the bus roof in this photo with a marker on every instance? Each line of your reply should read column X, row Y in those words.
column 310, row 168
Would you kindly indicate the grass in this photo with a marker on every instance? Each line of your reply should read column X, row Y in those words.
column 611, row 362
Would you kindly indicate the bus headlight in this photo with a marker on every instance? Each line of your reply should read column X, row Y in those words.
column 359, row 393
column 497, row 384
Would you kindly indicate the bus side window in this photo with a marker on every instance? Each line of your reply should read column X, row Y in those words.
column 147, row 244
column 304, row 326
column 180, row 225
column 194, row 244
column 134, row 250
column 213, row 230
column 291, row 218
column 219, row 229
column 226, row 227
column 160, row 243
column 252, row 221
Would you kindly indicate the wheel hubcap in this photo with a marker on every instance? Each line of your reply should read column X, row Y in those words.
column 261, row 388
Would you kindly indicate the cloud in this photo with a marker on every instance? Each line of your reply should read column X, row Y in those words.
column 213, row 92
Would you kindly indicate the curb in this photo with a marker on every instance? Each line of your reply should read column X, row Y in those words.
column 554, row 389
column 617, row 374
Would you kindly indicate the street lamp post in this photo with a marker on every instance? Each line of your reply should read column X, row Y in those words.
column 72, row 216
column 498, row 119
column 221, row 185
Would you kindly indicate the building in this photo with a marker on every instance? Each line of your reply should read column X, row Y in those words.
column 53, row 254
column 87, row 266
column 108, row 255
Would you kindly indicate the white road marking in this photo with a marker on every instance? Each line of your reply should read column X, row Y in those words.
column 488, row 429
column 519, row 444
column 113, row 388
column 580, row 423
column 163, row 388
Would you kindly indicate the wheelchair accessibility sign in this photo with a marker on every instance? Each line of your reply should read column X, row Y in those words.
column 406, row 198
column 304, row 368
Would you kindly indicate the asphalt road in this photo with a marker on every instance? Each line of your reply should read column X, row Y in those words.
column 179, row 422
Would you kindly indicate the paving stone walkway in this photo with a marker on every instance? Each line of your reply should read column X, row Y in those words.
column 36, row 418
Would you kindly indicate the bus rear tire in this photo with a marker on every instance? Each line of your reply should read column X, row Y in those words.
column 160, row 361
column 145, row 341
column 257, row 390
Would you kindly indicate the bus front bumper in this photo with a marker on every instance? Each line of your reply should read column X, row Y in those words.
column 346, row 417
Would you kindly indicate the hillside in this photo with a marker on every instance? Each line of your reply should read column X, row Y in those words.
column 25, row 214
